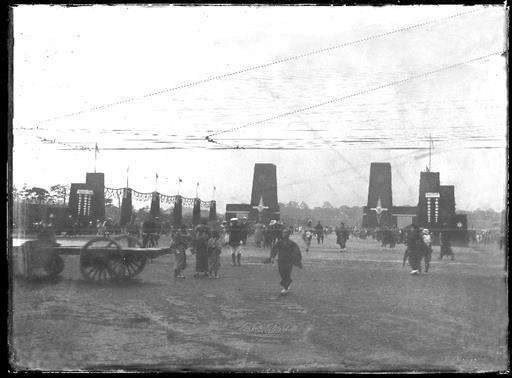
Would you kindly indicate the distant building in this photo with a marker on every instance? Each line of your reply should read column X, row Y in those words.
column 264, row 206
column 87, row 200
column 435, row 209
column 378, row 211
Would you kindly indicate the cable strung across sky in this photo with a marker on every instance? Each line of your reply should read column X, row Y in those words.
column 210, row 139
column 260, row 66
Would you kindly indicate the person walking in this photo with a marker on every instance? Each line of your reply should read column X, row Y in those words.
column 341, row 236
column 446, row 245
column 202, row 234
column 319, row 231
column 214, row 251
column 307, row 234
column 180, row 242
column 288, row 254
column 236, row 237
column 415, row 249
column 427, row 241
column 258, row 234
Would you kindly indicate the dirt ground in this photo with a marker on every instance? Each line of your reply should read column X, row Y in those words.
column 355, row 311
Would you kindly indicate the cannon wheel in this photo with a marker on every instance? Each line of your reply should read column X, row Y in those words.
column 54, row 266
column 95, row 258
column 124, row 264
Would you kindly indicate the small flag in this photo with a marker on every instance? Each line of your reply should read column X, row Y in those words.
column 97, row 149
column 156, row 175
column 180, row 180
column 197, row 184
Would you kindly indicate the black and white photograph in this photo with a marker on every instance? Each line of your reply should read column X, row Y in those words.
column 258, row 188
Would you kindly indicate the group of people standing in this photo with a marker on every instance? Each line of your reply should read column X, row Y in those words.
column 206, row 244
column 308, row 232
column 419, row 247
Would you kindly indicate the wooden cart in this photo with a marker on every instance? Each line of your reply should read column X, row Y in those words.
column 101, row 258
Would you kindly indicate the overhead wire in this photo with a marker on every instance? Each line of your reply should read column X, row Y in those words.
column 259, row 66
column 210, row 139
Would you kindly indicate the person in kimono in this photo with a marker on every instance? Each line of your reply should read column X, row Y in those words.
column 180, row 242
column 288, row 254
column 236, row 237
column 214, row 251
column 201, row 236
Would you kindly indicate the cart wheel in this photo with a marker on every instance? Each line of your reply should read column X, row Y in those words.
column 54, row 266
column 127, row 264
column 94, row 259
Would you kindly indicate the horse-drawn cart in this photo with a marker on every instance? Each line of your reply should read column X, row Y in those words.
column 101, row 258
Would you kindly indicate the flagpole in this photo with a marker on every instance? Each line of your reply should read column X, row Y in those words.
column 95, row 156
column 197, row 188
column 127, row 170
column 156, row 181
column 179, row 184
column 430, row 154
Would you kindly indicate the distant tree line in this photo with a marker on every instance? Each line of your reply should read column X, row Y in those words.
column 299, row 214
column 292, row 213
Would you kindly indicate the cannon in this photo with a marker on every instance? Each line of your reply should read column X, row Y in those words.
column 102, row 258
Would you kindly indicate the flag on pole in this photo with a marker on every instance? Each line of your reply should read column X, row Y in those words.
column 180, row 180
column 156, row 175
column 96, row 151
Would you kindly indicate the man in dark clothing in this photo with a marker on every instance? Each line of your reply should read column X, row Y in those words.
column 277, row 232
column 319, row 231
column 236, row 235
column 150, row 232
column 245, row 230
column 415, row 249
column 288, row 253
column 180, row 242
column 341, row 236
column 201, row 236
column 446, row 246
column 132, row 229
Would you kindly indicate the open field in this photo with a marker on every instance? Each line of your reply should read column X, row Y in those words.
column 356, row 311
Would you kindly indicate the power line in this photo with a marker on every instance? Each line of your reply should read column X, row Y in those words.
column 264, row 65
column 392, row 83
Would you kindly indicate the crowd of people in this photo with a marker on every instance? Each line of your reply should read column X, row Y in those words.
column 207, row 241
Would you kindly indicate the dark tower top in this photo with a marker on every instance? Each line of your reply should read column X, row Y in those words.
column 97, row 182
column 264, row 193
column 378, row 211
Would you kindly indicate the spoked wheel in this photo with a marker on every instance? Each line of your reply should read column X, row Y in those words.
column 95, row 259
column 127, row 264
column 54, row 266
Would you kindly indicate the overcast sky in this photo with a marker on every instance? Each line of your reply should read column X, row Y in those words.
column 117, row 76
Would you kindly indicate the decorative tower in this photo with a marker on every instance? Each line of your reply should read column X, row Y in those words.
column 264, row 206
column 379, row 210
